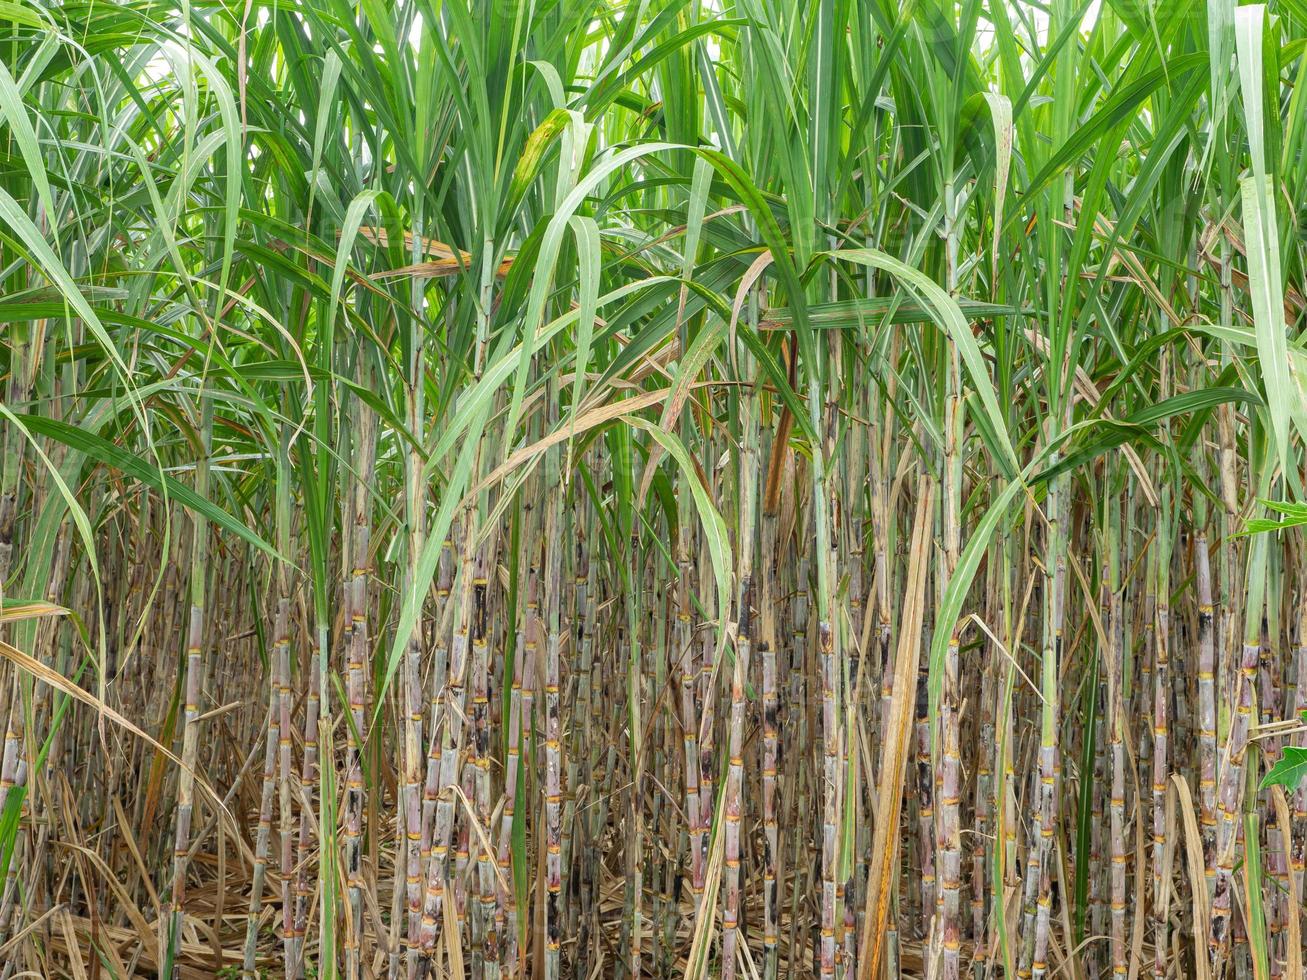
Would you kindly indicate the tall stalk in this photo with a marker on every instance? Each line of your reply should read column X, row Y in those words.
column 195, row 644
column 553, row 730
column 734, row 790
column 358, row 654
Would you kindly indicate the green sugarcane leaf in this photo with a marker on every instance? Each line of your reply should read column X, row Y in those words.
column 1290, row 772
column 14, row 113
column 9, row 825
column 948, row 315
column 1267, row 290
column 1254, row 880
column 714, row 527
column 114, row 457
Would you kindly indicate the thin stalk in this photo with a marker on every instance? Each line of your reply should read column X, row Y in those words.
column 734, row 806
column 195, row 644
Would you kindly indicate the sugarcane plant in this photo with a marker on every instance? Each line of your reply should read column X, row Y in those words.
column 749, row 488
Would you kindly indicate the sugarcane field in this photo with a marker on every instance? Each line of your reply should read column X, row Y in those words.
column 653, row 489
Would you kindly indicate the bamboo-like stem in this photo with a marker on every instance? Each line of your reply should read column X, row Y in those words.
column 577, row 693
column 734, row 805
column 707, row 700
column 1298, row 843
column 894, row 752
column 633, row 914
column 530, row 679
column 285, row 775
column 1161, row 740
column 583, row 747
column 507, row 923
column 1206, row 706
column 469, row 614
column 707, row 706
column 437, row 880
column 410, row 825
column 798, row 701
column 358, row 656
column 984, row 841
column 1231, row 781
column 1054, row 590
column 948, row 830
column 690, row 722
column 1115, row 657
column 195, row 644
column 553, row 788
column 950, row 701
column 308, row 779
column 770, row 604
column 830, row 711
column 282, row 704
column 444, row 626
column 925, row 804
column 1098, row 870
column 485, row 943
column 1274, row 856
column 281, row 644
column 882, row 530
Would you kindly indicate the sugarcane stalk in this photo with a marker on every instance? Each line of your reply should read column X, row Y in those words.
column 1116, row 657
column 1161, row 740
column 1231, row 781
column 1274, row 850
column 308, row 779
column 285, row 780
column 553, row 789
column 767, row 639
column 1298, row 843
column 950, row 701
column 925, row 805
column 1206, row 705
column 739, row 671
column 797, row 703
column 436, row 889
column 583, row 732
column 506, row 926
column 578, row 682
column 485, row 944
column 1055, row 565
column 472, row 567
column 195, row 644
column 707, row 707
column 409, row 837
column 826, row 651
column 690, row 722
column 633, row 914
column 358, row 656
column 1097, row 884
column 281, row 644
column 440, row 658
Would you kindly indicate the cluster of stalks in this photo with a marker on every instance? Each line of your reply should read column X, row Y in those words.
column 571, row 489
